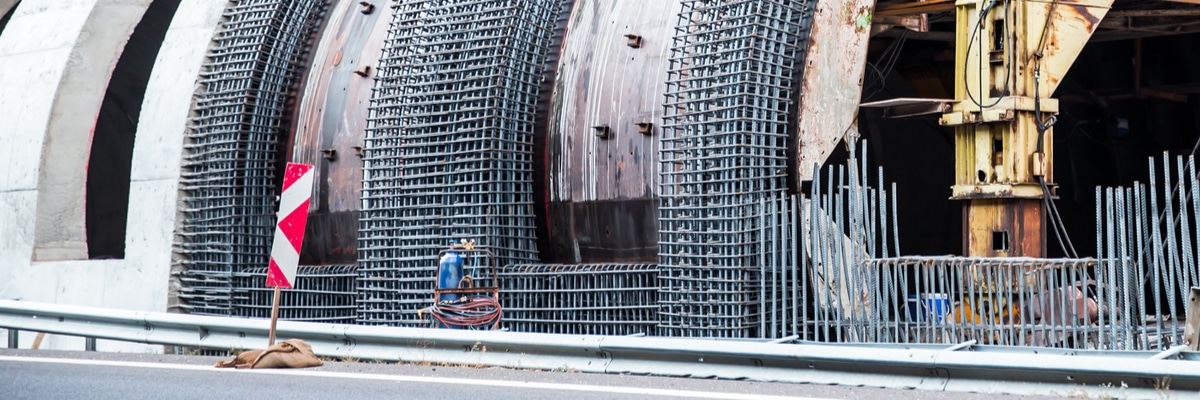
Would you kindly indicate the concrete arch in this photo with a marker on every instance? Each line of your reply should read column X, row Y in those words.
column 61, row 179
column 5, row 5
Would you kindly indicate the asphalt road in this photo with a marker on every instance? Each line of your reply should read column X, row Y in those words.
column 34, row 374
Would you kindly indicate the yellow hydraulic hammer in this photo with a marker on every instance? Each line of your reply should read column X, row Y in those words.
column 1010, row 57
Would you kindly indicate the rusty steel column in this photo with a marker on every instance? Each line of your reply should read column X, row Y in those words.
column 1010, row 56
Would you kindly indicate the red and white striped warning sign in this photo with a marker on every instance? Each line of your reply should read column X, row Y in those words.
column 289, row 233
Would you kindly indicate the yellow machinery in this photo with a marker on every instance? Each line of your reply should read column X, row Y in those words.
column 1010, row 57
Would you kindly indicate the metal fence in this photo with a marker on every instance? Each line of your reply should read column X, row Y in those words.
column 585, row 299
column 228, row 180
column 724, row 152
column 448, row 153
column 1150, row 231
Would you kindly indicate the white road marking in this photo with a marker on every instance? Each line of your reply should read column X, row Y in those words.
column 419, row 379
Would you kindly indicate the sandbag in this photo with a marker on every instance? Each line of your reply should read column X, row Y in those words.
column 291, row 353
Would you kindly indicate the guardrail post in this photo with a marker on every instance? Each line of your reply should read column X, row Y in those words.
column 12, row 339
column 89, row 344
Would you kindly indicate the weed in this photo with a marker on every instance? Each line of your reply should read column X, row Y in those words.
column 1105, row 393
column 1162, row 386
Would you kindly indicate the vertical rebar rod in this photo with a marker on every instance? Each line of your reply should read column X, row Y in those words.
column 1172, row 251
column 799, row 266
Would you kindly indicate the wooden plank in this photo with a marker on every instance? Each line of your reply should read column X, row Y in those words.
column 37, row 341
column 1111, row 35
column 1154, row 13
column 1192, row 325
column 916, row 7
column 904, row 101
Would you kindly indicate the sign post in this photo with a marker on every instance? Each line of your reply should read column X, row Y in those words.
column 289, row 234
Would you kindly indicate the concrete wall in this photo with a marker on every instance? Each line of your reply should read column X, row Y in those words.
column 55, row 60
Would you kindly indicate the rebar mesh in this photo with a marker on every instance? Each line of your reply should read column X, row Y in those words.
column 997, row 301
column 1150, row 232
column 228, row 180
column 448, row 153
column 1132, row 297
column 584, row 299
column 319, row 294
column 724, row 152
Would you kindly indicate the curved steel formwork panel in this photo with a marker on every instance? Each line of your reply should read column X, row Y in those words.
column 231, row 150
column 729, row 94
column 448, row 153
column 603, row 132
column 329, row 128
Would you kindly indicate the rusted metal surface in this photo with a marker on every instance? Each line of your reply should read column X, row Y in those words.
column 601, row 181
column 1004, row 228
column 832, row 82
column 331, row 120
column 602, row 81
column 541, row 195
column 1072, row 23
column 989, row 156
column 612, row 230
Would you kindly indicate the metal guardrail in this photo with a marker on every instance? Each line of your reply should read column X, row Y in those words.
column 964, row 367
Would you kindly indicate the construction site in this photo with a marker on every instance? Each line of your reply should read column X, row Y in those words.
column 1012, row 172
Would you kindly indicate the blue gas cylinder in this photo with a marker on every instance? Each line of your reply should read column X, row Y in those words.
column 450, row 273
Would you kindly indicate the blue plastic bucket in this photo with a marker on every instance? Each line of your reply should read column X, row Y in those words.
column 932, row 307
column 936, row 307
column 913, row 308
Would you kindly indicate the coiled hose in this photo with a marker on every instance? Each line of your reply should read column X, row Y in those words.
column 468, row 312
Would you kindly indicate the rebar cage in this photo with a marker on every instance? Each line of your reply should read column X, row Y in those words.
column 724, row 151
column 448, row 151
column 228, row 180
